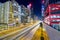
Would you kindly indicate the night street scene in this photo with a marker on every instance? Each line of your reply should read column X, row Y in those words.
column 29, row 19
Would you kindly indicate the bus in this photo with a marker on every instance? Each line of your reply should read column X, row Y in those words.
column 52, row 16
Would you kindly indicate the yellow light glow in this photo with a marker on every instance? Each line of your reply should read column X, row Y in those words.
column 44, row 29
column 17, row 19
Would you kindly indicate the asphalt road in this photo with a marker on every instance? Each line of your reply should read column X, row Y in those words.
column 29, row 36
column 29, row 30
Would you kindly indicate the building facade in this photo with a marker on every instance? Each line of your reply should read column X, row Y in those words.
column 4, row 13
column 9, row 13
column 12, row 14
column 25, row 14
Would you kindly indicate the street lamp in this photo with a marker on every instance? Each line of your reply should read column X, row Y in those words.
column 17, row 19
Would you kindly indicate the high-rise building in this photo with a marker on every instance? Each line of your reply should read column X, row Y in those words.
column 29, row 7
column 16, row 11
column 12, row 14
column 19, row 14
column 9, row 13
column 25, row 14
column 6, row 13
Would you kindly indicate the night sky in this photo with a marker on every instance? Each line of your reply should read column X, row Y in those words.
column 36, row 4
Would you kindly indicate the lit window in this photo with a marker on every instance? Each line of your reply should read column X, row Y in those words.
column 54, row 8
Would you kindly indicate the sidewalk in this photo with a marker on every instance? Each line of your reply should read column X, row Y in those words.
column 10, row 30
column 52, row 33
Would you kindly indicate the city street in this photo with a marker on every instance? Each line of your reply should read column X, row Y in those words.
column 29, row 19
column 28, row 33
column 7, row 35
column 33, row 32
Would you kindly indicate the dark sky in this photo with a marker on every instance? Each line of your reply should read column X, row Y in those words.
column 36, row 4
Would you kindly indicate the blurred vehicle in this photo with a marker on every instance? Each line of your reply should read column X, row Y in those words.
column 52, row 16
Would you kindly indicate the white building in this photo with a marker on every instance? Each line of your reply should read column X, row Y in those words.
column 9, row 13
column 4, row 12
